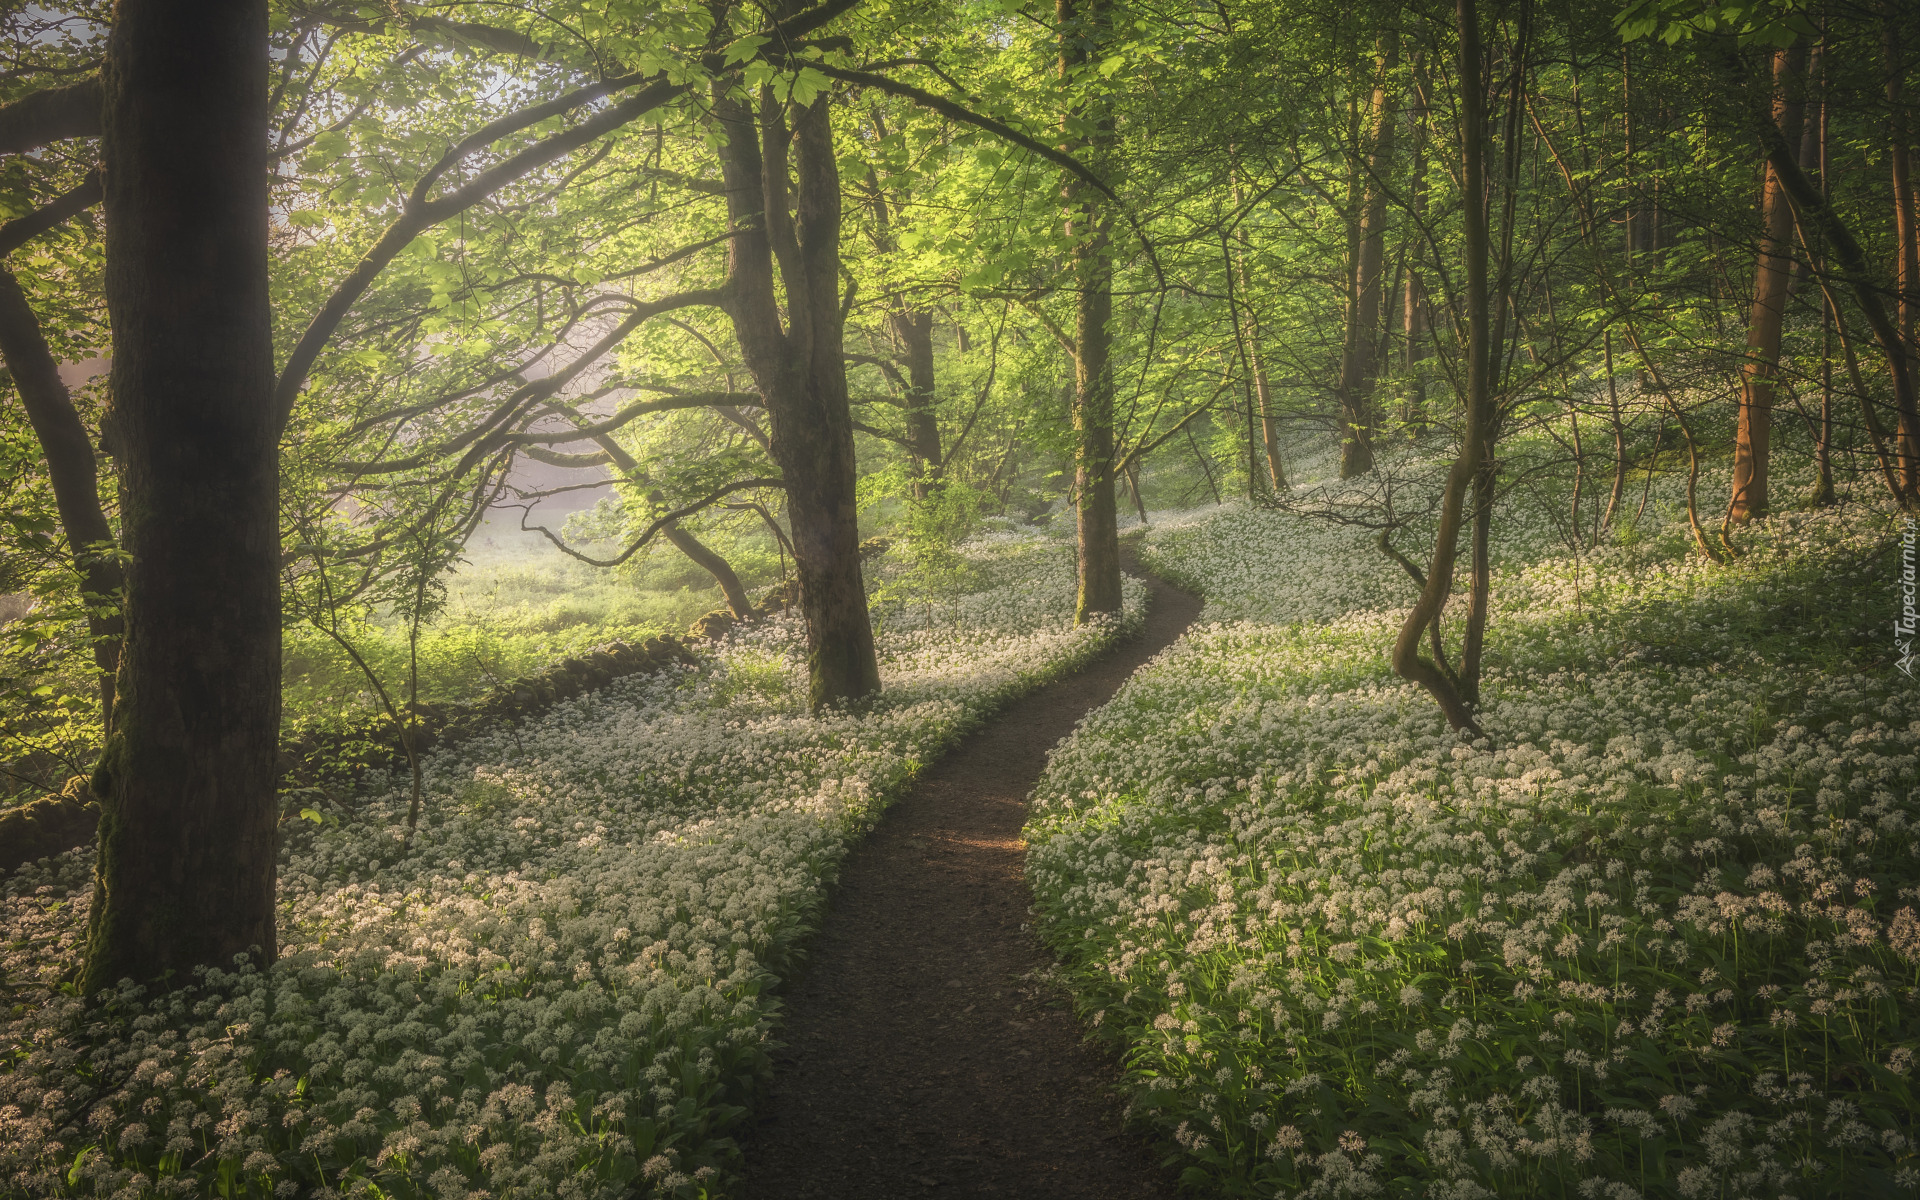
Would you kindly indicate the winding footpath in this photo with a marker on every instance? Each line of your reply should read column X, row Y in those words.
column 921, row 1058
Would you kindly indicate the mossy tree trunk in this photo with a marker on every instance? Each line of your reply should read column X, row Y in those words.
column 186, row 785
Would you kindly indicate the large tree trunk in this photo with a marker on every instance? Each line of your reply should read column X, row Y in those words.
column 70, row 468
column 801, row 369
column 1083, row 28
column 1359, row 364
column 187, row 829
column 1753, row 436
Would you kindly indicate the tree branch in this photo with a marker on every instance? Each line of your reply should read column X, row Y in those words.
column 51, row 115
column 658, row 525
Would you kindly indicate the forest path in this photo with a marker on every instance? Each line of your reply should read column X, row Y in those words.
column 920, row 1061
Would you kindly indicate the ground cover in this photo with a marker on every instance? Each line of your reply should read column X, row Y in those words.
column 1654, row 935
column 564, row 985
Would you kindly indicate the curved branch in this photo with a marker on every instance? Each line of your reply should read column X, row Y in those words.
column 1000, row 129
column 658, row 525
column 622, row 416
column 421, row 213
column 487, row 436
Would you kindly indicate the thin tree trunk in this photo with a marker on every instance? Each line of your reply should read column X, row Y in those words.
column 70, row 468
column 1823, row 492
column 1812, row 156
column 1133, row 486
column 1619, row 435
column 1359, row 363
column 1262, row 389
column 1837, row 238
column 185, row 875
column 1083, row 28
column 1753, row 437
column 1480, row 589
column 1414, row 303
column 914, row 330
column 1407, row 661
column 1900, row 155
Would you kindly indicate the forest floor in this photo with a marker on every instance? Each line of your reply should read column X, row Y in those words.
column 924, row 1055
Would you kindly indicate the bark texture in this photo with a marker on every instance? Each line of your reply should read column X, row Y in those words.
column 783, row 194
column 913, row 329
column 1083, row 26
column 1359, row 358
column 1753, row 436
column 186, row 785
column 1408, row 662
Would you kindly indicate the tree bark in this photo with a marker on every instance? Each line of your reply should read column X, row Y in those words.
column 913, row 328
column 70, row 468
column 1262, row 388
column 1414, row 304
column 1407, row 660
column 1816, row 215
column 1753, row 435
column 1900, row 157
column 793, row 218
column 1359, row 364
column 187, row 831
column 51, row 115
column 1083, row 26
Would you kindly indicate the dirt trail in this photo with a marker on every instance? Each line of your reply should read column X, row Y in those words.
column 918, row 1062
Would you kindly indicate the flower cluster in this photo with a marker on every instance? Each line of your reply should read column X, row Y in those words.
column 564, row 987
column 1655, row 934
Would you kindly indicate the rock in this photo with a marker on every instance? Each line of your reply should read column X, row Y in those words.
column 712, row 626
column 53, row 824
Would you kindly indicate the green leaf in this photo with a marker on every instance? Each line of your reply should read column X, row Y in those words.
column 745, row 48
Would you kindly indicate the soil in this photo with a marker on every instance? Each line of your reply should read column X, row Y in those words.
column 922, row 1056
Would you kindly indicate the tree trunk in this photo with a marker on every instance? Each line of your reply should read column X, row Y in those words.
column 70, row 468
column 1619, row 435
column 914, row 329
column 187, row 829
column 1753, row 437
column 1414, row 304
column 1358, row 362
column 1083, row 27
column 1262, row 389
column 1900, row 156
column 1481, row 409
column 801, row 369
column 1816, row 216
column 1407, row 661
